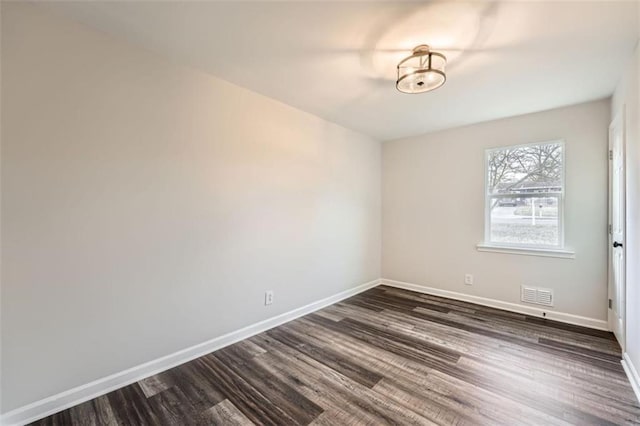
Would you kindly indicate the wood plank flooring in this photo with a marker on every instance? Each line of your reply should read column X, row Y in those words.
column 387, row 356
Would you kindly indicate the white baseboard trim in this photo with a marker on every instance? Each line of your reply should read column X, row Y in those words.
column 53, row 404
column 632, row 374
column 499, row 304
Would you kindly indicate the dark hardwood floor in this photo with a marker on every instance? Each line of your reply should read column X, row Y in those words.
column 387, row 356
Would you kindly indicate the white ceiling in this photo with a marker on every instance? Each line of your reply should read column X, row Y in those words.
column 337, row 59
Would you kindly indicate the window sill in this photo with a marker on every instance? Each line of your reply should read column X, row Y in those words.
column 494, row 248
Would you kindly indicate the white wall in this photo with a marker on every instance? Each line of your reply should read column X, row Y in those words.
column 433, row 210
column 147, row 207
column 627, row 94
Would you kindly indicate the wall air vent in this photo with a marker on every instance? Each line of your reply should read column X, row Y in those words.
column 537, row 296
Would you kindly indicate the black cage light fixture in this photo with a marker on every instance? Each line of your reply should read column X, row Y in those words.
column 422, row 71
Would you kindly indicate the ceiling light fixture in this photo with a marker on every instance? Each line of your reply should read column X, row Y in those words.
column 422, row 71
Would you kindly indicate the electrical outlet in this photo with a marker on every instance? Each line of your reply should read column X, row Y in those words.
column 468, row 279
column 268, row 297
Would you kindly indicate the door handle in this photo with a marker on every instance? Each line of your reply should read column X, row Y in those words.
column 616, row 244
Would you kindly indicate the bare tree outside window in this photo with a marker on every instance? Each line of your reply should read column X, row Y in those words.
column 524, row 194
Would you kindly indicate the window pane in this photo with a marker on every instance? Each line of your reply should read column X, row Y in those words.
column 525, row 169
column 525, row 220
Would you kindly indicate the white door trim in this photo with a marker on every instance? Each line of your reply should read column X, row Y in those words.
column 617, row 326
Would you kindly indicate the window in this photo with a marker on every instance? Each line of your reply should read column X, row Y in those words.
column 524, row 196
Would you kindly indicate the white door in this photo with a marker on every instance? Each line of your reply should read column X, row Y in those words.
column 616, row 229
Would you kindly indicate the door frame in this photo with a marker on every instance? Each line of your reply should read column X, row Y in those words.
column 618, row 121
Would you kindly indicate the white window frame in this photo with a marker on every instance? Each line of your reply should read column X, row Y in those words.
column 558, row 250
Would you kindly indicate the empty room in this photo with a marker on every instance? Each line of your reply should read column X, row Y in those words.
column 319, row 212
